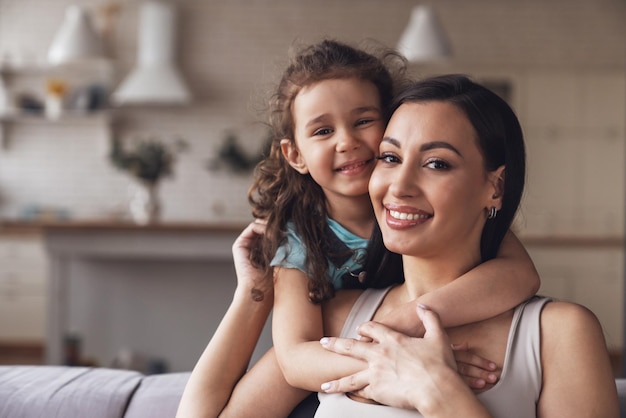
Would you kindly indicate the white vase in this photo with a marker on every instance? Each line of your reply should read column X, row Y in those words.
column 144, row 205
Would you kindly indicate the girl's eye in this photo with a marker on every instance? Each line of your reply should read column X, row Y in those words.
column 437, row 164
column 364, row 122
column 388, row 158
column 323, row 131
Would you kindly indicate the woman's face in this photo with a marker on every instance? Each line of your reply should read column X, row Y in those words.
column 429, row 189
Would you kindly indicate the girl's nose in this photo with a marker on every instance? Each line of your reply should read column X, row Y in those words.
column 347, row 141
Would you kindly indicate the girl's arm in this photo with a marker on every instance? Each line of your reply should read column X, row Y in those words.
column 218, row 371
column 297, row 327
column 511, row 275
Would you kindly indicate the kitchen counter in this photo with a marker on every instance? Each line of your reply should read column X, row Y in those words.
column 34, row 227
column 159, row 289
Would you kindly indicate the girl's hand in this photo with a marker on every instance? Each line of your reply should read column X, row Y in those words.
column 402, row 371
column 250, row 278
column 478, row 373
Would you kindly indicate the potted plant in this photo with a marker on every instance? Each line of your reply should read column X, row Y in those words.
column 148, row 159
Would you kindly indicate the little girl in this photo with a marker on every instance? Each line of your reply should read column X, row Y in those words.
column 328, row 117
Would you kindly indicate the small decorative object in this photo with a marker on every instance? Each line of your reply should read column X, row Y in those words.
column 232, row 156
column 149, row 160
column 55, row 91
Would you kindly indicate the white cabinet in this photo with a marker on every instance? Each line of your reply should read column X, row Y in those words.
column 23, row 269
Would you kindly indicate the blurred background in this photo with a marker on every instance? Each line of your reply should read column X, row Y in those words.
column 90, row 264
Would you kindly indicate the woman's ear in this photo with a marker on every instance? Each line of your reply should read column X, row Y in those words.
column 292, row 155
column 497, row 179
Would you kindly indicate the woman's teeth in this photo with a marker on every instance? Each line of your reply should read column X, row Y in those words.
column 407, row 216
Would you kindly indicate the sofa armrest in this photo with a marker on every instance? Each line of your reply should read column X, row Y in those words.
column 57, row 391
column 158, row 396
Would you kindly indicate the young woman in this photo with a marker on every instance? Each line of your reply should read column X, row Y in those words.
column 446, row 187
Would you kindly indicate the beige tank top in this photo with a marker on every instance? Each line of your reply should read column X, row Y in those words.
column 514, row 396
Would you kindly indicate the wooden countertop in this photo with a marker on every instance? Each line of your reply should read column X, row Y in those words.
column 39, row 227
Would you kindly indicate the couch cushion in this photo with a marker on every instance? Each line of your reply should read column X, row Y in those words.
column 158, row 396
column 57, row 391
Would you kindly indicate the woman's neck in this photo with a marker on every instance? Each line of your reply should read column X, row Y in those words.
column 355, row 214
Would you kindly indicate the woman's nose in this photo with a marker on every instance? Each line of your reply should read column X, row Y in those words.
column 405, row 182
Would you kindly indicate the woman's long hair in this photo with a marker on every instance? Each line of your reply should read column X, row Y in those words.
column 501, row 142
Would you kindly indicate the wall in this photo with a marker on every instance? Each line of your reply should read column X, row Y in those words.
column 230, row 53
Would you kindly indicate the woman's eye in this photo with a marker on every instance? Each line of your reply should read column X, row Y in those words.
column 437, row 164
column 323, row 131
column 388, row 158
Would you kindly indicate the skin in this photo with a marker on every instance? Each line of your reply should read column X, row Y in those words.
column 431, row 166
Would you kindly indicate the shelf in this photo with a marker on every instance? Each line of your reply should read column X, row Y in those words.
column 67, row 118
column 573, row 241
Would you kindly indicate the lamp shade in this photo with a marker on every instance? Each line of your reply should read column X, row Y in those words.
column 76, row 39
column 155, row 79
column 424, row 38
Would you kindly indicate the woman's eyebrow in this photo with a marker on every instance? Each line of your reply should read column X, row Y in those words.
column 392, row 141
column 426, row 146
column 439, row 144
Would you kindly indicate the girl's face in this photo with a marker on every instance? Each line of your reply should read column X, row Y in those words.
column 338, row 128
column 430, row 190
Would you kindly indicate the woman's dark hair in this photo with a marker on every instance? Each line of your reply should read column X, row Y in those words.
column 501, row 142
column 279, row 193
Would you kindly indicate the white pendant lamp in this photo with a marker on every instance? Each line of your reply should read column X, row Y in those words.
column 76, row 39
column 424, row 39
column 155, row 80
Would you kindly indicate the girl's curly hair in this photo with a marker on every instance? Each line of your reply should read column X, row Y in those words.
column 279, row 193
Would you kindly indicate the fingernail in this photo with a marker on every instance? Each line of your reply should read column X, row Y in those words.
column 324, row 341
column 492, row 377
column 424, row 307
column 325, row 386
column 492, row 366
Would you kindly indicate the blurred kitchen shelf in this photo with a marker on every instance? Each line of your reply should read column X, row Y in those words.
column 90, row 67
column 563, row 241
column 67, row 118
column 30, row 78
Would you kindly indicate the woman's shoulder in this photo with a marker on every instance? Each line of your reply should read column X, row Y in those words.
column 564, row 323
column 567, row 316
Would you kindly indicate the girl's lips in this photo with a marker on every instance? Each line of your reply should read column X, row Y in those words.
column 353, row 166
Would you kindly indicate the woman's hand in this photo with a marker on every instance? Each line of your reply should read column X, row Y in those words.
column 250, row 278
column 402, row 371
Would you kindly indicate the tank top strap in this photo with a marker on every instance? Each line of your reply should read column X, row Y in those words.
column 363, row 310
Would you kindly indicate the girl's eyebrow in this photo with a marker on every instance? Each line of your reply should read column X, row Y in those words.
column 318, row 119
column 426, row 146
column 364, row 109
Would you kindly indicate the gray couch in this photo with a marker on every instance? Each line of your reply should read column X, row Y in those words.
column 80, row 392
